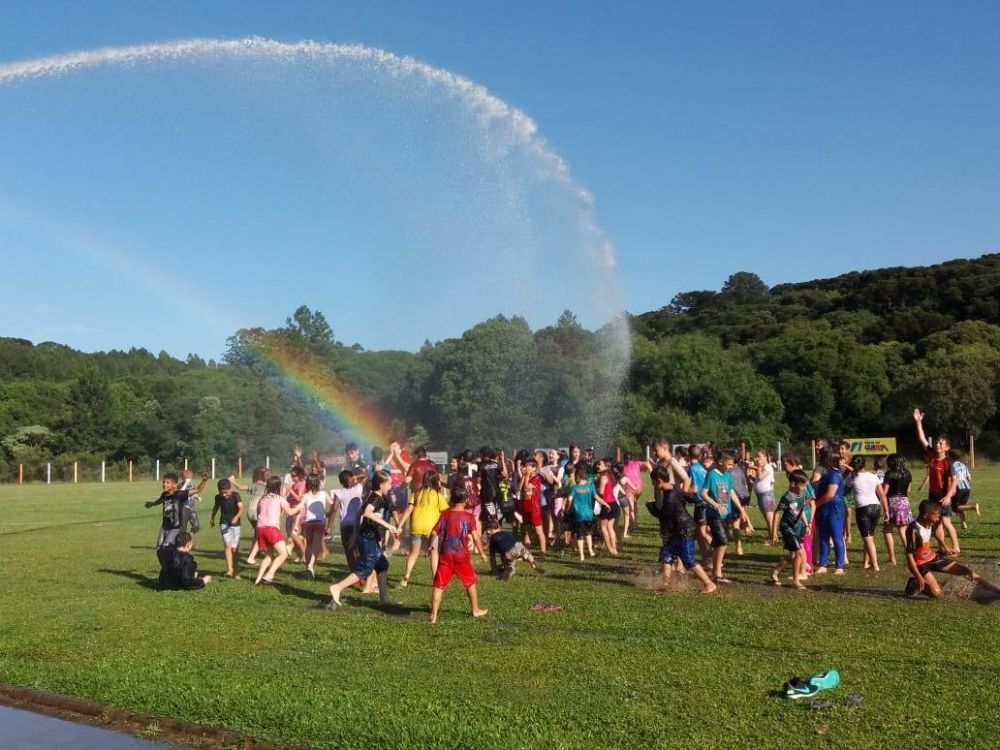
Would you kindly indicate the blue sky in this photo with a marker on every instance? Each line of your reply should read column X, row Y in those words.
column 796, row 140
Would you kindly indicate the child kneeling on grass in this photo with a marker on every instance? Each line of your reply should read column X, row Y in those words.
column 923, row 561
column 449, row 540
column 793, row 516
column 678, row 530
column 504, row 545
column 178, row 569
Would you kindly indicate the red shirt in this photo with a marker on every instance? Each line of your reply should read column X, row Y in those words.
column 938, row 473
column 532, row 499
column 417, row 470
column 453, row 529
column 471, row 487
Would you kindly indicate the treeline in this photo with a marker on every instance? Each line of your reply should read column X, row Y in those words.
column 844, row 356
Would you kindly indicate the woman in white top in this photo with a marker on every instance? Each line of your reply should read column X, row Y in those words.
column 763, row 487
column 870, row 504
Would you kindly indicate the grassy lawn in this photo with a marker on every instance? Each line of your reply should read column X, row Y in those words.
column 620, row 666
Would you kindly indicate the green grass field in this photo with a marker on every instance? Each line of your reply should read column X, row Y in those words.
column 620, row 666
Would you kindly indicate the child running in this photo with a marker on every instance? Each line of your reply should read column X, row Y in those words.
column 229, row 506
column 450, row 539
column 609, row 505
column 270, row 540
column 722, row 503
column 582, row 496
column 370, row 556
column 793, row 517
column 425, row 507
column 963, row 486
column 315, row 504
column 677, row 529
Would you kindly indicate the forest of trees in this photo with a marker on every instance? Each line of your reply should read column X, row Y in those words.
column 844, row 356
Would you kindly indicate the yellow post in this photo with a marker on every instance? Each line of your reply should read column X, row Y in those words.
column 75, row 473
column 130, row 470
column 972, row 451
column 185, row 464
column 239, row 467
column 20, row 473
column 814, row 453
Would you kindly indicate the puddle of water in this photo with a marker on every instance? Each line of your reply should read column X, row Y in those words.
column 24, row 730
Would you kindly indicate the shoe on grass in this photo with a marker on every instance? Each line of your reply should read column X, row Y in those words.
column 825, row 680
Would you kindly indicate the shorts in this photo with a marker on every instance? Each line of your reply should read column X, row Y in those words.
column 765, row 501
column 961, row 498
column 717, row 527
column 610, row 513
column 947, row 511
column 790, row 540
column 268, row 536
column 677, row 547
column 230, row 534
column 313, row 527
column 583, row 528
column 701, row 514
column 900, row 513
column 454, row 565
column 167, row 537
column 938, row 563
column 371, row 558
column 517, row 552
column 532, row 516
column 867, row 519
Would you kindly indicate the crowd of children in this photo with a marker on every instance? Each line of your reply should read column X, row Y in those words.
column 487, row 502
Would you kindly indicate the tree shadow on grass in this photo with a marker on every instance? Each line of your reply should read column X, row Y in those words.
column 143, row 580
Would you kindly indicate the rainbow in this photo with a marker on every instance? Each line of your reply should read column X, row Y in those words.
column 345, row 411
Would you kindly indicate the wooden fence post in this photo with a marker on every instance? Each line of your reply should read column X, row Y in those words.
column 814, row 453
column 185, row 464
column 130, row 470
column 972, row 450
column 239, row 467
column 20, row 473
column 75, row 473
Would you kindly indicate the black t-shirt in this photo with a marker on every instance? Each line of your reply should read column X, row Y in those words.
column 173, row 508
column 178, row 570
column 898, row 481
column 369, row 529
column 673, row 516
column 489, row 481
column 227, row 507
column 502, row 542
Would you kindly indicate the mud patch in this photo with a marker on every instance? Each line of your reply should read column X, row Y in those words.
column 152, row 728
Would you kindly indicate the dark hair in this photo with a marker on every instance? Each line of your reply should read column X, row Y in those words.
column 458, row 495
column 956, row 454
column 377, row 454
column 895, row 462
column 832, row 461
column 492, row 525
column 273, row 486
column 183, row 539
column 297, row 471
column 345, row 477
column 432, row 481
column 660, row 474
column 312, row 482
column 224, row 484
column 858, row 463
column 798, row 477
column 420, row 451
column 531, row 462
column 468, row 456
column 929, row 506
column 791, row 458
column 171, row 476
column 379, row 478
column 350, row 447
column 581, row 473
column 258, row 474
column 694, row 452
column 878, row 463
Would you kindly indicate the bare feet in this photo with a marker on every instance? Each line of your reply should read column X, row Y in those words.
column 775, row 581
column 838, row 572
column 335, row 597
column 710, row 589
column 477, row 613
column 821, row 571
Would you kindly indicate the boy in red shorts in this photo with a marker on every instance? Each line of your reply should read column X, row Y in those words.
column 531, row 503
column 450, row 541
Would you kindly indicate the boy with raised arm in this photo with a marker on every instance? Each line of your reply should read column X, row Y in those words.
column 174, row 502
column 941, row 482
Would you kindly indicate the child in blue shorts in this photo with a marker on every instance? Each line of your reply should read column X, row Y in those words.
column 677, row 529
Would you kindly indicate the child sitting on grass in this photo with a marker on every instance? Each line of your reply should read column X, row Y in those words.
column 923, row 561
column 178, row 569
column 450, row 541
column 793, row 516
column 678, row 530
column 504, row 545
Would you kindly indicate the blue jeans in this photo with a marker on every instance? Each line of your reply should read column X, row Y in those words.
column 830, row 523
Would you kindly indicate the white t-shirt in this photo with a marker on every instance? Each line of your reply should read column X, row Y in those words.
column 865, row 483
column 766, row 481
column 349, row 504
column 316, row 504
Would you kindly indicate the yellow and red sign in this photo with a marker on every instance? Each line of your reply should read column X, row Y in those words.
column 882, row 446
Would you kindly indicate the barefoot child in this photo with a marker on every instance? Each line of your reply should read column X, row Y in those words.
column 722, row 503
column 450, row 540
column 270, row 540
column 582, row 496
column 792, row 517
column 677, row 529
column 923, row 561
column 370, row 556
column 505, row 551
column 229, row 506
column 315, row 506
column 963, row 486
column 941, row 483
column 425, row 507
